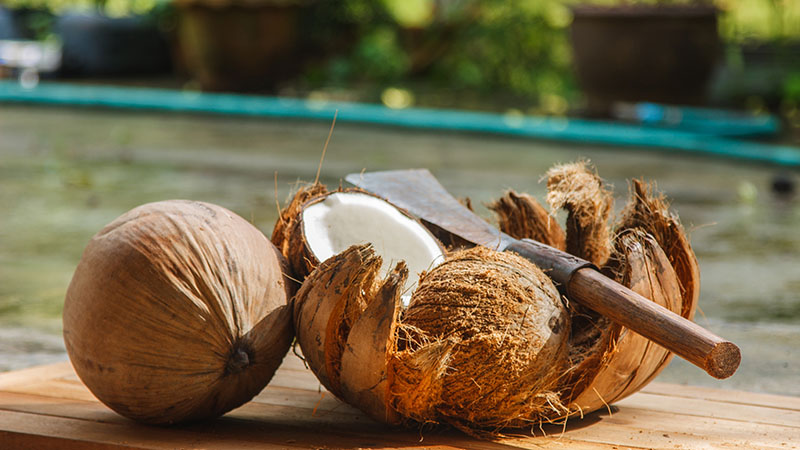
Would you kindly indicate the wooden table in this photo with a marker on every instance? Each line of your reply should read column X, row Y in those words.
column 47, row 407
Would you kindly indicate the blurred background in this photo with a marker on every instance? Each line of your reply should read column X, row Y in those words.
column 555, row 57
column 715, row 84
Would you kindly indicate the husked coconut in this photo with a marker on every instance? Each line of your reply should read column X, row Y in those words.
column 177, row 312
column 483, row 344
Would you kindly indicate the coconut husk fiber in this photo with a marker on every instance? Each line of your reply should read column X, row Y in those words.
column 578, row 189
column 522, row 216
column 482, row 344
column 649, row 210
column 648, row 252
column 300, row 262
column 345, row 320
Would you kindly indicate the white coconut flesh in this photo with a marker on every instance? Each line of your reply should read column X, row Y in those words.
column 343, row 219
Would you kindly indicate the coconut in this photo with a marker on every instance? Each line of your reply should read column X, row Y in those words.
column 648, row 252
column 177, row 312
column 320, row 224
column 483, row 344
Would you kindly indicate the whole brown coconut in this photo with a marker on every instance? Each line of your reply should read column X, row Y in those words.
column 177, row 312
column 483, row 344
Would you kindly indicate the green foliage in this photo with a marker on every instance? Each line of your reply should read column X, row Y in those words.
column 518, row 48
column 791, row 87
column 761, row 20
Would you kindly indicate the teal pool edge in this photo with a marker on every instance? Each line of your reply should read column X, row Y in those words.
column 550, row 128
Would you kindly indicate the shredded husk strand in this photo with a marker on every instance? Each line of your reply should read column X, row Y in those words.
column 577, row 188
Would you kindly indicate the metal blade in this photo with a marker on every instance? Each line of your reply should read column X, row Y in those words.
column 419, row 192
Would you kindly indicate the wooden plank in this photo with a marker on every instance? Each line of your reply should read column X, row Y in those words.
column 644, row 428
column 724, row 395
column 33, row 375
column 42, row 429
column 40, row 406
column 633, row 427
column 693, row 407
column 237, row 430
column 55, row 388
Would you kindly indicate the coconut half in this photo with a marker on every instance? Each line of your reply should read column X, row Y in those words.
column 331, row 222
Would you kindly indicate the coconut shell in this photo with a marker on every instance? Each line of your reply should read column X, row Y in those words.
column 290, row 233
column 482, row 344
column 577, row 188
column 522, row 217
column 177, row 312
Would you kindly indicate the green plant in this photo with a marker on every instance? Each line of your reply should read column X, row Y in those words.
column 112, row 8
column 517, row 49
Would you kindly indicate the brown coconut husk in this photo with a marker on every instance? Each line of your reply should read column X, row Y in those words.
column 649, row 211
column 482, row 344
column 485, row 319
column 299, row 262
column 521, row 216
column 649, row 253
column 652, row 256
column 328, row 303
column 577, row 188
column 625, row 361
column 344, row 318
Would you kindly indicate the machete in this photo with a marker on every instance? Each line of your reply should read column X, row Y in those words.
column 419, row 193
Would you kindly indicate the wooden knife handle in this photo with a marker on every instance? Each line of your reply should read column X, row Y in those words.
column 584, row 284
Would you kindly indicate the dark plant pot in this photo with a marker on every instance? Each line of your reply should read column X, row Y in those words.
column 239, row 47
column 97, row 45
column 635, row 53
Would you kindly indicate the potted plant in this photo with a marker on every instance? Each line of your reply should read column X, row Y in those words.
column 239, row 44
column 662, row 52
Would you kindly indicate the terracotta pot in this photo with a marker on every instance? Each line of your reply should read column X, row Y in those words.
column 662, row 54
column 239, row 46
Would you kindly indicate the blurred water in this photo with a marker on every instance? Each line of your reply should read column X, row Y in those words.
column 64, row 173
